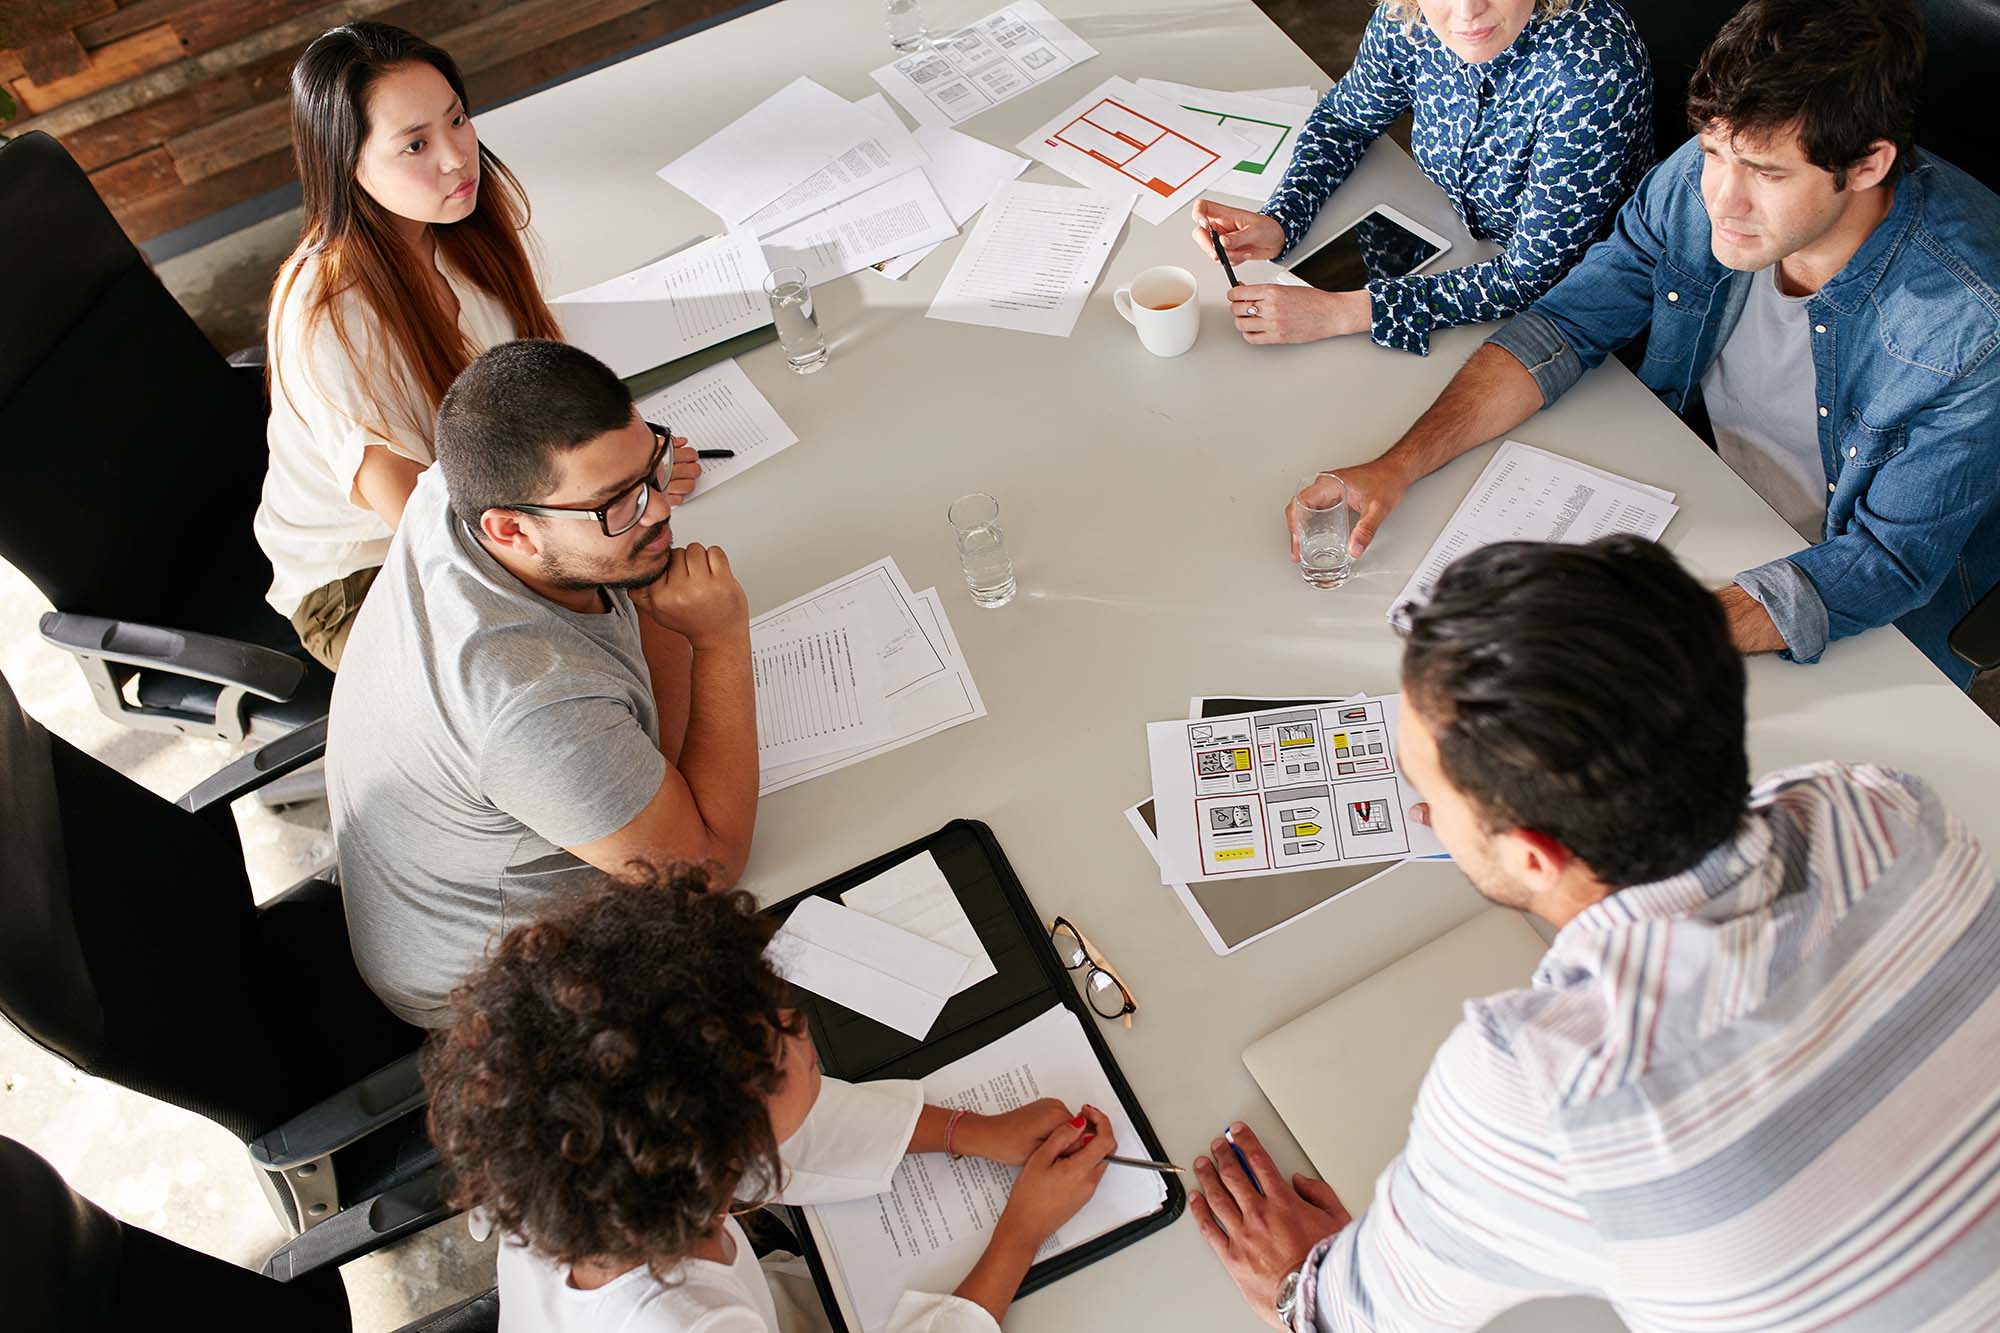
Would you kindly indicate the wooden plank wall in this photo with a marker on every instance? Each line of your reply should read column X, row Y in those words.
column 177, row 108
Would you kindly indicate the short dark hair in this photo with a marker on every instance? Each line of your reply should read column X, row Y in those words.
column 1846, row 72
column 1589, row 693
column 509, row 413
column 601, row 1088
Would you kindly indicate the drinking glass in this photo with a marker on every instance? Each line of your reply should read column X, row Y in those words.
column 792, row 311
column 1322, row 523
column 982, row 549
column 906, row 24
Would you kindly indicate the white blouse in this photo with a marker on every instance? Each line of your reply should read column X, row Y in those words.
column 848, row 1148
column 325, row 413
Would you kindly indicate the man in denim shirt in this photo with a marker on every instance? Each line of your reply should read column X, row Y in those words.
column 1800, row 205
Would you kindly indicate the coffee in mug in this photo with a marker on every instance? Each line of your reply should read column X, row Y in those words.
column 1160, row 303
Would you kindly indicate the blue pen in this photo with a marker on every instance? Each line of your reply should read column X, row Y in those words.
column 1229, row 1135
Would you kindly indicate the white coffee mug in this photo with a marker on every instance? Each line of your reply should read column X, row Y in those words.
column 1160, row 304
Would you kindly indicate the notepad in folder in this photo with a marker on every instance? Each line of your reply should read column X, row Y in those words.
column 1018, row 1035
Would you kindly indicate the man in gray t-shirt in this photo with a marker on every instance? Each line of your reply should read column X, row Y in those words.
column 538, row 682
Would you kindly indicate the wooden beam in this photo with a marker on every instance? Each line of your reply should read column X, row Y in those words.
column 135, row 178
column 153, row 214
column 232, row 141
column 53, row 58
column 210, row 24
column 114, row 64
column 135, row 131
column 135, row 17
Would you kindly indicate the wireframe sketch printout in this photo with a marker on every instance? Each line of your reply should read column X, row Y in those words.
column 1119, row 137
column 1530, row 494
column 1269, row 126
column 719, row 408
column 931, row 1226
column 689, row 300
column 1032, row 258
column 983, row 64
column 1283, row 790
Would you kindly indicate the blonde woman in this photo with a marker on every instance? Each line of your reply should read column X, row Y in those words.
column 1535, row 116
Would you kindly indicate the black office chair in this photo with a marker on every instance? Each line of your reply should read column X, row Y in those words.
column 1976, row 638
column 1953, row 121
column 68, row 1265
column 133, row 458
column 132, row 949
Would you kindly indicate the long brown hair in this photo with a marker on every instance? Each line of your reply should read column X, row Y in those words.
column 356, row 244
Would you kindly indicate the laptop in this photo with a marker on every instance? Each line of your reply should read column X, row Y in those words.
column 1379, row 1035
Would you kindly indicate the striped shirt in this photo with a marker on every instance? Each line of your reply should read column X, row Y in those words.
column 1763, row 1094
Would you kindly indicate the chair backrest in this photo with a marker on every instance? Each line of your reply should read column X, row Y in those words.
column 133, row 454
column 133, row 950
column 1963, row 40
column 70, row 1265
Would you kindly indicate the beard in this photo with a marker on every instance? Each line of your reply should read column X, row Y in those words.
column 634, row 569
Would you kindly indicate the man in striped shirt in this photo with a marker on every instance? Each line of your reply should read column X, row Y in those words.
column 1755, row 1082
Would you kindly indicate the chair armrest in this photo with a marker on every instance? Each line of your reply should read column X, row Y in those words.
column 1977, row 637
column 265, row 764
column 365, row 1227
column 388, row 1094
column 247, row 666
column 248, row 358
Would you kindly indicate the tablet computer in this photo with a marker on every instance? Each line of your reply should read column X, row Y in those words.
column 1382, row 243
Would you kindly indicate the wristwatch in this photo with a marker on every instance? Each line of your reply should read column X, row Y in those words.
column 1288, row 1298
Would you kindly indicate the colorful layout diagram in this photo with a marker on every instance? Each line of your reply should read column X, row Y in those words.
column 1136, row 146
column 1293, row 788
column 1266, row 137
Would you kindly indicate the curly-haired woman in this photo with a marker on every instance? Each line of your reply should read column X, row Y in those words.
column 623, row 1076
column 1535, row 116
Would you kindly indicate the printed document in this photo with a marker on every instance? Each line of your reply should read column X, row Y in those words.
column 1118, row 137
column 915, row 896
column 931, row 1226
column 1530, row 494
column 769, row 149
column 689, row 300
column 884, row 155
column 1032, row 259
column 878, row 970
column 818, row 690
column 1270, row 127
column 984, row 64
column 965, row 172
column 719, row 408
column 1283, row 790
column 882, row 222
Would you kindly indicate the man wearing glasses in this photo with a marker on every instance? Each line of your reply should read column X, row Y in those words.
column 540, row 681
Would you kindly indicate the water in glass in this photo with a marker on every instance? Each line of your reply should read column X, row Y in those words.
column 1323, row 560
column 798, row 329
column 989, row 570
column 906, row 24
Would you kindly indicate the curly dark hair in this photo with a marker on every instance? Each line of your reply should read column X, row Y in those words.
column 601, row 1090
column 1587, row 692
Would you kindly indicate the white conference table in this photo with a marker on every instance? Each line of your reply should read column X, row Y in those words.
column 1142, row 499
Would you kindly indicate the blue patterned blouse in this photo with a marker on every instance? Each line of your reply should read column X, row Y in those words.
column 1537, row 148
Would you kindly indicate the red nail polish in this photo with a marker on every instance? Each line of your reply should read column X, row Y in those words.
column 1077, row 1123
column 1086, row 1138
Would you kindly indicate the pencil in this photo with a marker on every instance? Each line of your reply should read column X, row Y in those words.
column 1140, row 1161
column 715, row 453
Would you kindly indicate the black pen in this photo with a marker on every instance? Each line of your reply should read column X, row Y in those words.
column 1223, row 256
column 715, row 453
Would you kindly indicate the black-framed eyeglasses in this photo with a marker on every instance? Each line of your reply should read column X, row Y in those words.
column 1102, row 987
column 622, row 512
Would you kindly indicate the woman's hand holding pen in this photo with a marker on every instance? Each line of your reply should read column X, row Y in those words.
column 1245, row 235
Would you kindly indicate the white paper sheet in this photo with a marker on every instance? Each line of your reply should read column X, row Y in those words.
column 1270, row 127
column 1283, row 790
column 819, row 691
column 915, row 896
column 1292, row 95
column 965, row 172
column 983, row 64
column 878, row 970
column 1117, row 137
column 927, row 1231
column 689, row 300
column 719, row 408
column 1530, row 494
column 1032, row 259
column 768, row 149
column 875, row 596
column 885, row 154
column 944, row 699
column 879, row 223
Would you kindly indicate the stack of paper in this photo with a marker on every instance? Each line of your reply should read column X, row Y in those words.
column 865, row 666
column 691, row 299
column 1118, row 137
column 1530, row 494
column 884, row 972
column 1269, row 120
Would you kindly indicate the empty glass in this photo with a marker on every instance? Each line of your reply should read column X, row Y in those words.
column 982, row 549
column 1321, row 517
column 792, row 311
column 906, row 24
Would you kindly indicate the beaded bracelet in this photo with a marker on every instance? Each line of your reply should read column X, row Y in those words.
column 951, row 1126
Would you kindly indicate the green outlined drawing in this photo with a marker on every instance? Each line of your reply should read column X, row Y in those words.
column 1251, row 166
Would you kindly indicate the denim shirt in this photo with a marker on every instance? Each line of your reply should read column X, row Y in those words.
column 1904, row 374
column 1537, row 148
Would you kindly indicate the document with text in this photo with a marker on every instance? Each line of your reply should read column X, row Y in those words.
column 691, row 299
column 818, row 690
column 719, row 408
column 769, row 149
column 885, row 154
column 965, row 172
column 1033, row 257
column 880, row 223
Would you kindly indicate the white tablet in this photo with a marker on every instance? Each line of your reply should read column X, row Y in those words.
column 1382, row 243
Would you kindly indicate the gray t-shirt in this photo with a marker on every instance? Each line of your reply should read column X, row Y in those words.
column 477, row 730
column 1760, row 395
